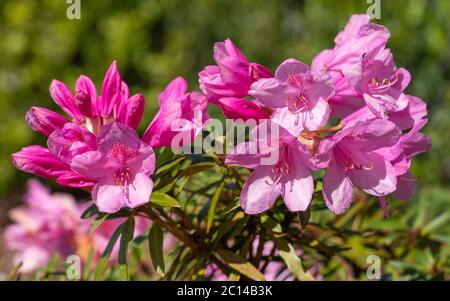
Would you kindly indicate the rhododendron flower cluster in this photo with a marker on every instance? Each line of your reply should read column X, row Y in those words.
column 49, row 224
column 356, row 81
column 98, row 148
column 339, row 124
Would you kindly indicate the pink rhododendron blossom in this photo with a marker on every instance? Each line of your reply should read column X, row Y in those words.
column 226, row 83
column 233, row 74
column 414, row 113
column 179, row 112
column 400, row 156
column 353, row 161
column 289, row 176
column 121, row 165
column 382, row 84
column 49, row 224
column 299, row 96
column 89, row 112
column 344, row 62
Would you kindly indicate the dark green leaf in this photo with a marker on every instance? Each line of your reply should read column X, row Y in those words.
column 103, row 262
column 125, row 238
column 155, row 242
column 212, row 206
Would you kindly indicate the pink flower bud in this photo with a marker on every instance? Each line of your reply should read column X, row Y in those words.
column 39, row 161
column 64, row 98
column 44, row 121
column 132, row 110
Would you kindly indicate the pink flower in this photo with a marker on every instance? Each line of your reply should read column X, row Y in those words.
column 382, row 84
column 46, row 225
column 67, row 139
column 353, row 161
column 50, row 224
column 288, row 176
column 180, row 112
column 400, row 156
column 413, row 114
column 299, row 95
column 233, row 74
column 226, row 83
column 344, row 62
column 121, row 166
column 237, row 108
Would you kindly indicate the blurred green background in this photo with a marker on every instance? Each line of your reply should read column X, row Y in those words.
column 157, row 40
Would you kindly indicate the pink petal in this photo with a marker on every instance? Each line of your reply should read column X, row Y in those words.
column 39, row 161
column 298, row 189
column 132, row 111
column 406, row 187
column 293, row 123
column 259, row 192
column 91, row 165
column 377, row 177
column 139, row 191
column 289, row 67
column 236, row 108
column 44, row 121
column 411, row 115
column 337, row 189
column 85, row 85
column 318, row 116
column 64, row 98
column 111, row 90
column 270, row 92
column 108, row 196
column 174, row 90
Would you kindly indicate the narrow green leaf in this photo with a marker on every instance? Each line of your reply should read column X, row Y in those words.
column 96, row 223
column 304, row 217
column 212, row 206
column 90, row 212
column 239, row 264
column 168, row 165
column 196, row 168
column 103, row 262
column 125, row 238
column 163, row 200
column 293, row 262
column 155, row 243
column 271, row 224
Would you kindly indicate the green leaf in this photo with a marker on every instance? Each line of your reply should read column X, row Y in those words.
column 196, row 168
column 168, row 165
column 90, row 212
column 155, row 243
column 304, row 217
column 103, row 262
column 293, row 262
column 212, row 206
column 271, row 224
column 163, row 200
column 125, row 238
column 96, row 223
column 239, row 264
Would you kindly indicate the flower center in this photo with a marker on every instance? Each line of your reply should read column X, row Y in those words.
column 343, row 157
column 376, row 85
column 122, row 153
column 299, row 103
column 282, row 168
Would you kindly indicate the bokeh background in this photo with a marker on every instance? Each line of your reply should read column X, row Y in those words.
column 157, row 40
